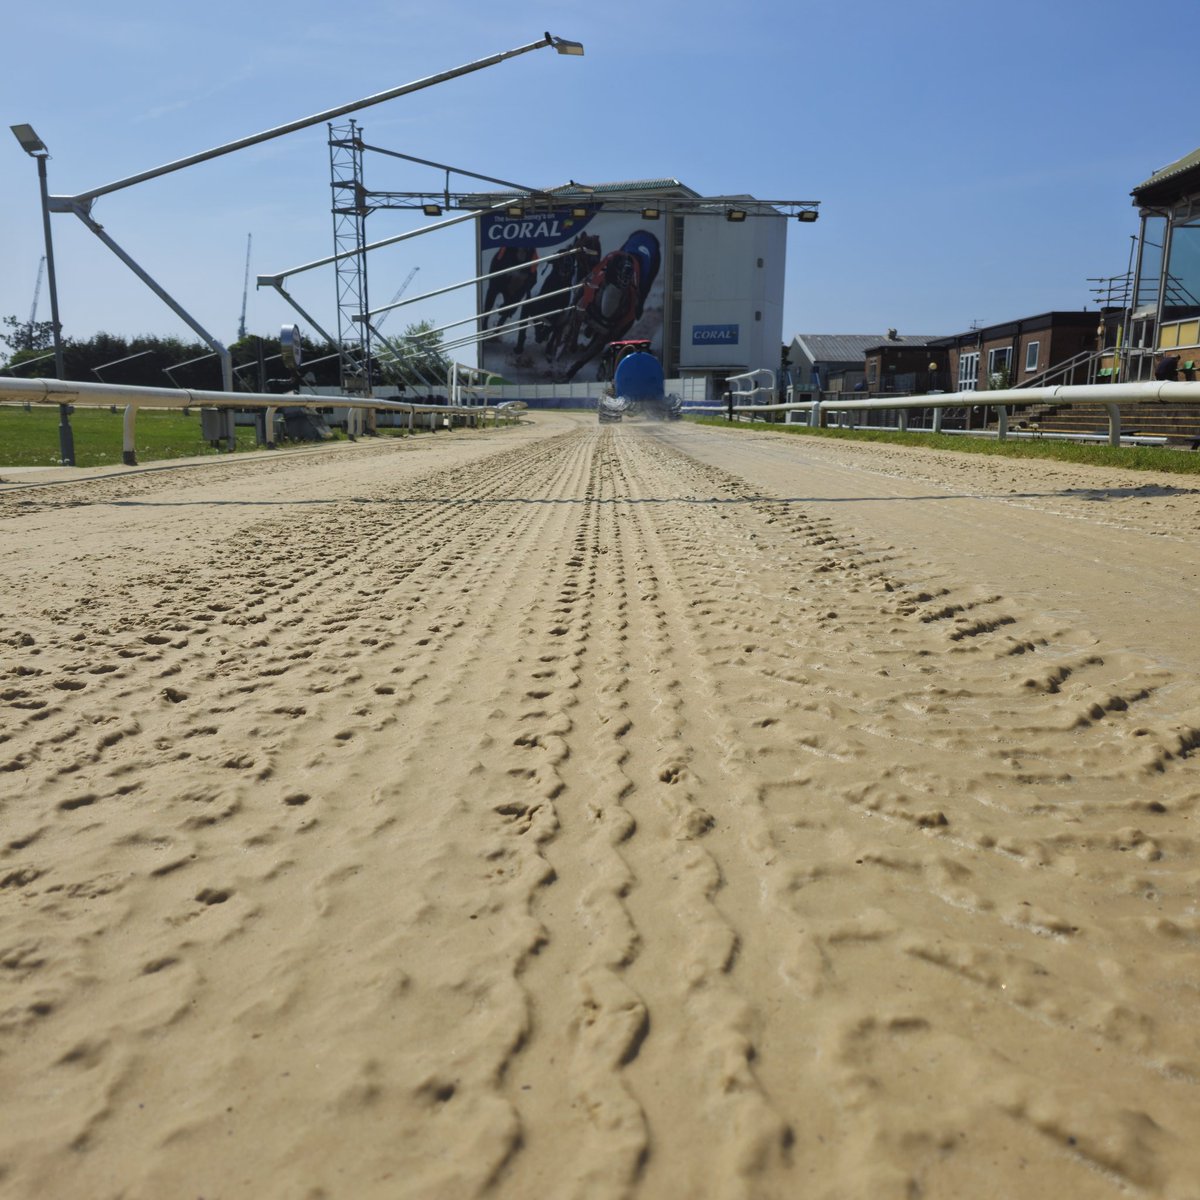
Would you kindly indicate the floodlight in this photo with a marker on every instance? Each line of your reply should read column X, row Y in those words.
column 563, row 46
column 735, row 214
column 432, row 210
column 807, row 215
column 30, row 142
column 515, row 210
column 651, row 214
column 579, row 213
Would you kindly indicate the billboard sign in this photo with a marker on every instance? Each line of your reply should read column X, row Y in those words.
column 569, row 286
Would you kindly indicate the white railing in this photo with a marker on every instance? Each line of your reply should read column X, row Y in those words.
column 467, row 385
column 1111, row 395
column 108, row 395
column 742, row 388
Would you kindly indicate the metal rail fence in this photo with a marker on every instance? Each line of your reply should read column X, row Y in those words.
column 1112, row 396
column 109, row 395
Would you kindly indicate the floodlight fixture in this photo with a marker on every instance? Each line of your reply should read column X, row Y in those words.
column 432, row 210
column 807, row 216
column 515, row 210
column 579, row 213
column 651, row 213
column 735, row 214
column 563, row 46
column 30, row 142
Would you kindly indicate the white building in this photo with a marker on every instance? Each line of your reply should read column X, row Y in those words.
column 701, row 278
column 731, row 298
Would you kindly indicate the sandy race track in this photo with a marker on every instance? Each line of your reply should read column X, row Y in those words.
column 571, row 812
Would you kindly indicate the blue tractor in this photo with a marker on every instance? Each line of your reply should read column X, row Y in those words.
column 636, row 386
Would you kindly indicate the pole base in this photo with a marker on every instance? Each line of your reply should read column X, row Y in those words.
column 66, row 439
column 129, row 458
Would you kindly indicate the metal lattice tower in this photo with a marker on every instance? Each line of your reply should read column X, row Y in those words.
column 350, row 210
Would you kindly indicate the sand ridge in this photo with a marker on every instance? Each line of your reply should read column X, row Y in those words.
column 598, row 813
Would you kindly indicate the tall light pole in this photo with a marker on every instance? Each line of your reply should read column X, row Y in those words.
column 36, row 149
column 81, row 203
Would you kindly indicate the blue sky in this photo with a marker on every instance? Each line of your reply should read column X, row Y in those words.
column 973, row 161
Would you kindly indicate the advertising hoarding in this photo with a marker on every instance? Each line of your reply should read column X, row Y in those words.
column 572, row 284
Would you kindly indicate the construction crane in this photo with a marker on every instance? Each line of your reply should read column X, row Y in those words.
column 399, row 292
column 245, row 290
column 37, row 291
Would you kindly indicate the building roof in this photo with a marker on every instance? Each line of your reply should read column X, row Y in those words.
column 627, row 187
column 1167, row 180
column 1079, row 318
column 583, row 192
column 850, row 347
column 630, row 185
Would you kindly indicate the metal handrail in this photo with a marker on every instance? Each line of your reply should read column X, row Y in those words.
column 1067, row 367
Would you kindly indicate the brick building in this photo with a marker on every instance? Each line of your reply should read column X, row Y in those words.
column 1019, row 352
column 907, row 364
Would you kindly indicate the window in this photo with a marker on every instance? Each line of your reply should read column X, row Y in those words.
column 1181, row 297
column 999, row 366
column 1031, row 356
column 968, row 371
column 1154, row 234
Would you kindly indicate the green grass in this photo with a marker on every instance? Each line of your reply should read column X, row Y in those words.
column 30, row 439
column 1134, row 458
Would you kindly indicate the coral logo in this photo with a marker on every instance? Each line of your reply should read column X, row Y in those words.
column 714, row 335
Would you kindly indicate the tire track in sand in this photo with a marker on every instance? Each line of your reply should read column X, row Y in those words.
column 662, row 1048
column 589, row 1022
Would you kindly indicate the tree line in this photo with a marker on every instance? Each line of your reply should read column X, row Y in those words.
column 147, row 360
